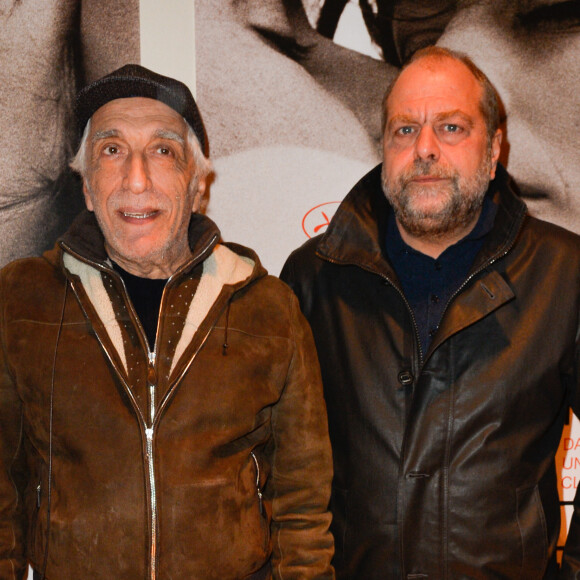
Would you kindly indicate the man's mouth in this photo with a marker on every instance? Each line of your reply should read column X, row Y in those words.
column 424, row 178
column 138, row 215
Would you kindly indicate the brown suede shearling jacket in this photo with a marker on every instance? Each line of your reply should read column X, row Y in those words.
column 207, row 458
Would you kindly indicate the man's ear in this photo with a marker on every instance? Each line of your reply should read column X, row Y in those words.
column 495, row 151
column 87, row 195
column 201, row 185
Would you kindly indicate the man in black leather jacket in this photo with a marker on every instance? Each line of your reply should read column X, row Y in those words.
column 447, row 326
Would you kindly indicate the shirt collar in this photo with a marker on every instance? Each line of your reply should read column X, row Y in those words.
column 396, row 244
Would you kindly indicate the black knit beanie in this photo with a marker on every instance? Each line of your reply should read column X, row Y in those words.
column 133, row 80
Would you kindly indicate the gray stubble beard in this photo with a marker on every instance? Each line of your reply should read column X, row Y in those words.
column 464, row 199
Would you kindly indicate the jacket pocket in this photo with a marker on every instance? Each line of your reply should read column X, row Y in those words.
column 533, row 532
column 264, row 519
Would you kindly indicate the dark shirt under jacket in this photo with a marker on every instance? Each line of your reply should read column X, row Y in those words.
column 145, row 294
column 428, row 283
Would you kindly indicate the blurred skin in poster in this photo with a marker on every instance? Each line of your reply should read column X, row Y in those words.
column 294, row 118
column 49, row 49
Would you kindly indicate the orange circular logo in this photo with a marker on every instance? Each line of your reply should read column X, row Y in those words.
column 317, row 219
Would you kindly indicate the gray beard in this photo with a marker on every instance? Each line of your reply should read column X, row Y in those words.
column 464, row 198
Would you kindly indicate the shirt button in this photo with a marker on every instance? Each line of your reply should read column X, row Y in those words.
column 434, row 298
column 433, row 332
column 438, row 266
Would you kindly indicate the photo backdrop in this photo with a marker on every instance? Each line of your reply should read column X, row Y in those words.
column 290, row 92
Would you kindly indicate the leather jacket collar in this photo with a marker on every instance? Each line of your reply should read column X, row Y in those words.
column 358, row 227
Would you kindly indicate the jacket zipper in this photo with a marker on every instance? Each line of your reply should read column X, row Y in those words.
column 261, row 510
column 149, row 426
column 149, row 432
column 153, row 415
column 399, row 291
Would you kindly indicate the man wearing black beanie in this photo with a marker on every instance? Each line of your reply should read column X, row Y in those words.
column 160, row 399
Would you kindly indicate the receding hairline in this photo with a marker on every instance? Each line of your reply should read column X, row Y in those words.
column 488, row 101
column 430, row 63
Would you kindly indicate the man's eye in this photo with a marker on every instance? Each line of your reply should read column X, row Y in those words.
column 451, row 128
column 111, row 150
column 404, row 131
column 164, row 150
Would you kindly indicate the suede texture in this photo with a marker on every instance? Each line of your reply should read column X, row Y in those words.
column 220, row 415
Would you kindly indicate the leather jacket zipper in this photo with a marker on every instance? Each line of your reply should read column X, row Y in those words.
column 401, row 294
column 153, row 499
column 413, row 319
column 150, row 433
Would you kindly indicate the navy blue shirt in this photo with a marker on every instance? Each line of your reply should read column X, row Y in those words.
column 428, row 283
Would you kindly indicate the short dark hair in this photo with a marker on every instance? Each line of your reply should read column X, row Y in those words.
column 489, row 103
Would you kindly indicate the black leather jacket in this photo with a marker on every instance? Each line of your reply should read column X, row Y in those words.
column 444, row 460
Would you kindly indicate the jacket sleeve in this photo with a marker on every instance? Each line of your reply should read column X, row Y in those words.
column 12, row 471
column 571, row 560
column 301, row 467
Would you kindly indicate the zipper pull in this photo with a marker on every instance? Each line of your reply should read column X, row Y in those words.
column 261, row 504
column 38, row 495
column 258, row 490
column 152, row 384
column 149, row 442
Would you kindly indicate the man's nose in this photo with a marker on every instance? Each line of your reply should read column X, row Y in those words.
column 427, row 145
column 137, row 174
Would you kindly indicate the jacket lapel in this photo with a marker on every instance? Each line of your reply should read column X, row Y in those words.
column 105, row 323
column 479, row 299
column 222, row 267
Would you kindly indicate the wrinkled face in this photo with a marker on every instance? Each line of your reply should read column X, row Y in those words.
column 438, row 159
column 141, row 184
